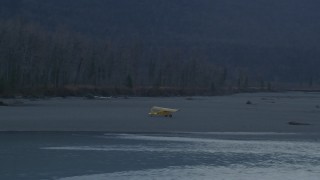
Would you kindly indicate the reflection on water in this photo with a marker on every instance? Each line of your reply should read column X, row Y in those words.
column 161, row 156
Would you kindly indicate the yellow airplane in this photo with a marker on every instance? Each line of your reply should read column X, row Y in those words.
column 161, row 111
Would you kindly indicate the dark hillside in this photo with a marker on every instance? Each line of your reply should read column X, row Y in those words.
column 207, row 44
column 258, row 22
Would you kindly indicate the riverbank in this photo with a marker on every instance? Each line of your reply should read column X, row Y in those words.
column 258, row 112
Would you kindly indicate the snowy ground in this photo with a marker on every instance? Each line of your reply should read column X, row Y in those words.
column 269, row 112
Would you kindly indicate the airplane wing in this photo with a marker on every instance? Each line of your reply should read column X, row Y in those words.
column 161, row 111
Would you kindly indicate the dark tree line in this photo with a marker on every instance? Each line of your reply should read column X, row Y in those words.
column 151, row 47
column 59, row 61
column 37, row 60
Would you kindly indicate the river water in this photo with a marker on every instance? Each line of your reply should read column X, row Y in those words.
column 85, row 155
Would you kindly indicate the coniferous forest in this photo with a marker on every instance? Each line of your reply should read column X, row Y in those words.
column 159, row 48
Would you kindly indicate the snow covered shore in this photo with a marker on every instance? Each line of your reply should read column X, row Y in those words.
column 266, row 112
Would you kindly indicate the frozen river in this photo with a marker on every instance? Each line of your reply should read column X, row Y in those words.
column 86, row 156
column 208, row 138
